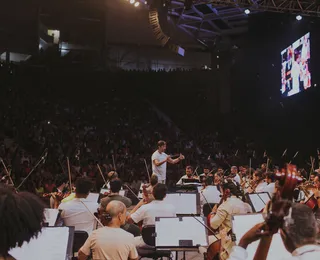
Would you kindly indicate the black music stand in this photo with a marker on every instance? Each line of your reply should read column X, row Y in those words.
column 258, row 201
column 180, row 234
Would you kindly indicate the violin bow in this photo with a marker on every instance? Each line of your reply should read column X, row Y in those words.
column 7, row 172
column 91, row 213
column 145, row 163
column 104, row 179
column 114, row 163
column 69, row 173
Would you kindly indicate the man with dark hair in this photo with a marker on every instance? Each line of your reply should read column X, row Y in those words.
column 298, row 233
column 74, row 213
column 110, row 242
column 21, row 218
column 147, row 212
column 115, row 187
column 159, row 161
column 188, row 176
column 156, row 208
column 271, row 181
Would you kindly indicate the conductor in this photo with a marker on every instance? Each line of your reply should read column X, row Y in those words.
column 159, row 161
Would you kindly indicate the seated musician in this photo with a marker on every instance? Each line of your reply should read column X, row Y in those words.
column 271, row 183
column 147, row 212
column 110, row 242
column 259, row 183
column 234, row 172
column 299, row 236
column 210, row 194
column 111, row 176
column 74, row 213
column 189, row 175
column 61, row 182
column 222, row 215
column 316, row 182
column 21, row 218
column 115, row 187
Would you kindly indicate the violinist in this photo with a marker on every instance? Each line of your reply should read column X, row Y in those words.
column 74, row 213
column 299, row 234
column 147, row 212
column 221, row 216
column 210, row 194
column 110, row 242
column 271, row 183
column 234, row 172
column 115, row 187
column 258, row 183
column 60, row 189
column 189, row 175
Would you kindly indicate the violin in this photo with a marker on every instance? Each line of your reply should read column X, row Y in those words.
column 56, row 195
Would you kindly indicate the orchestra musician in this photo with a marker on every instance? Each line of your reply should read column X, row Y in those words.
column 147, row 212
column 258, row 183
column 210, row 194
column 299, row 234
column 221, row 216
column 234, row 172
column 110, row 241
column 188, row 176
column 115, row 187
column 160, row 159
column 74, row 213
column 61, row 188
column 21, row 218
column 271, row 183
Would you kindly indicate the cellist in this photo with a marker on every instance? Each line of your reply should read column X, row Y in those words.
column 221, row 216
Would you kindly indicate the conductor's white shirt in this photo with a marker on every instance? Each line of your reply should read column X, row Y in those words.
column 160, row 171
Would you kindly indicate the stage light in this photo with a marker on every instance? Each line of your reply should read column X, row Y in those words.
column 132, row 2
column 299, row 17
column 136, row 4
column 247, row 11
column 145, row 2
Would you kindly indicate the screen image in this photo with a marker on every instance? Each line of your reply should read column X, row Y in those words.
column 295, row 68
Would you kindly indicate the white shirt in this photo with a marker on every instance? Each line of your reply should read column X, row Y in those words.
column 150, row 211
column 74, row 213
column 261, row 187
column 307, row 252
column 185, row 177
column 270, row 188
column 210, row 195
column 110, row 244
column 237, row 179
column 161, row 170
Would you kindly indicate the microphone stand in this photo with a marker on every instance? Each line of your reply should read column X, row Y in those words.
column 42, row 159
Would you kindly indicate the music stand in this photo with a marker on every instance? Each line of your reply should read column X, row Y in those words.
column 180, row 233
column 186, row 204
column 53, row 243
column 190, row 181
column 51, row 216
column 258, row 201
column 243, row 222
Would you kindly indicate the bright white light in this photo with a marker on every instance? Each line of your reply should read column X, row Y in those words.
column 145, row 2
column 132, row 1
column 298, row 17
column 247, row 11
column 136, row 4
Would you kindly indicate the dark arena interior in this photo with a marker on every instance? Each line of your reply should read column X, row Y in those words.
column 159, row 129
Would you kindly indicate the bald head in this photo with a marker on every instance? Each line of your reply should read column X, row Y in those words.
column 115, row 207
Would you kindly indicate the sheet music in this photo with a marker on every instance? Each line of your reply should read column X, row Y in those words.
column 257, row 203
column 170, row 230
column 51, row 216
column 242, row 223
column 51, row 244
column 185, row 203
column 265, row 197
